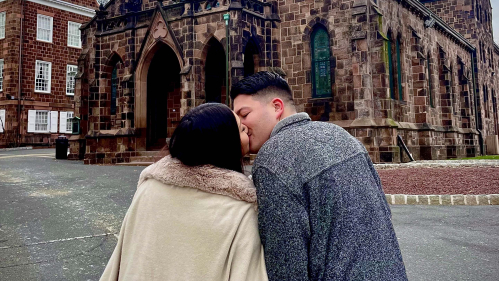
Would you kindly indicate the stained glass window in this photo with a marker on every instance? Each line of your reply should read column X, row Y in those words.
column 114, row 89
column 321, row 64
column 430, row 92
column 391, row 74
column 399, row 71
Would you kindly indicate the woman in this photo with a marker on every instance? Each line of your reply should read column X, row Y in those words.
column 193, row 216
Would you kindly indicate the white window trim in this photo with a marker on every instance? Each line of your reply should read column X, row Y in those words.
column 5, row 20
column 52, row 122
column 49, row 78
column 67, row 77
column 1, row 74
column 70, row 123
column 51, row 28
column 63, row 122
column 66, row 6
column 48, row 122
column 2, row 120
column 79, row 38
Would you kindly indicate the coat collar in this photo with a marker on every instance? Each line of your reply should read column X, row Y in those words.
column 292, row 119
column 207, row 178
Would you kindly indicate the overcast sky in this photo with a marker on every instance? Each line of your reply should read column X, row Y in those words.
column 495, row 19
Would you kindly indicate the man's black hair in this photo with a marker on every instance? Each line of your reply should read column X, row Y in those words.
column 259, row 81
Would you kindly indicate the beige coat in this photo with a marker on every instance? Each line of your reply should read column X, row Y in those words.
column 189, row 223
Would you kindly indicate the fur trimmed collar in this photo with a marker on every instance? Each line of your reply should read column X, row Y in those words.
column 207, row 178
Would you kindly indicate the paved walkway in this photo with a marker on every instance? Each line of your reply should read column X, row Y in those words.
column 59, row 218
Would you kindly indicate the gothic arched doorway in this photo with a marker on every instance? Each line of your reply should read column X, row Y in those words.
column 214, row 82
column 163, row 96
column 251, row 58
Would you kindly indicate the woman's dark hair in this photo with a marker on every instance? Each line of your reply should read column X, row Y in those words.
column 208, row 134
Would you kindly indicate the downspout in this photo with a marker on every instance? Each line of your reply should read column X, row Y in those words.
column 19, row 83
column 480, row 136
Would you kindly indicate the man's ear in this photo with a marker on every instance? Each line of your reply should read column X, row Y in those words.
column 278, row 106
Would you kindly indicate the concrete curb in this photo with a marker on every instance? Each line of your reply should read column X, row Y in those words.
column 16, row 148
column 443, row 200
column 448, row 164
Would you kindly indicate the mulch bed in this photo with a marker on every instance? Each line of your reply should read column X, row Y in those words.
column 426, row 181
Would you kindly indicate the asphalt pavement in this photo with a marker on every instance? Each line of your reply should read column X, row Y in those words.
column 59, row 218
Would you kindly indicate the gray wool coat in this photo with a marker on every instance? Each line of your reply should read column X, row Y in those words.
column 322, row 212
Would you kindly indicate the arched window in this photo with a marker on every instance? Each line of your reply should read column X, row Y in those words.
column 430, row 92
column 399, row 70
column 476, row 10
column 486, row 101
column 251, row 59
column 321, row 63
column 391, row 74
column 453, row 99
column 114, row 89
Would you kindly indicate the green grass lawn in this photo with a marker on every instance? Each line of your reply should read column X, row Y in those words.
column 486, row 157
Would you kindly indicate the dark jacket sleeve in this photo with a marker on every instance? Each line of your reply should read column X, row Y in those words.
column 284, row 228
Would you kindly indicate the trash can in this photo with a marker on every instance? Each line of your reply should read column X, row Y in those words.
column 61, row 147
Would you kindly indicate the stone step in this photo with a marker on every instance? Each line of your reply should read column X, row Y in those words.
column 146, row 153
column 143, row 159
column 135, row 164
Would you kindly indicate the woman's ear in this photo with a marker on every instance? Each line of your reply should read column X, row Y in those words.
column 278, row 105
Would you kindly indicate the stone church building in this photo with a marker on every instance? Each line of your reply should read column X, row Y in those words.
column 422, row 70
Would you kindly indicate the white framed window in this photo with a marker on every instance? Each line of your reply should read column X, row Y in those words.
column 44, row 28
column 42, row 121
column 74, row 35
column 2, row 120
column 69, row 125
column 70, row 79
column 1, row 75
column 2, row 24
column 66, row 124
column 42, row 76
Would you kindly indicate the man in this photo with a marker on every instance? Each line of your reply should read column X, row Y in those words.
column 322, row 212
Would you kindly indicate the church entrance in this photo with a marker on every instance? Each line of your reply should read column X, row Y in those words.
column 163, row 96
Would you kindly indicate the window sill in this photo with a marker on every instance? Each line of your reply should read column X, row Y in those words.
column 325, row 99
column 71, row 95
column 74, row 47
column 39, row 92
column 50, row 42
column 42, row 132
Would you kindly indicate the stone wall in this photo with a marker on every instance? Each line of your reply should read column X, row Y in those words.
column 117, row 36
column 473, row 19
column 431, row 103
column 442, row 113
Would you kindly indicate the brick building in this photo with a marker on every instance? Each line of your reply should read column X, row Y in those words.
column 37, row 76
column 380, row 69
